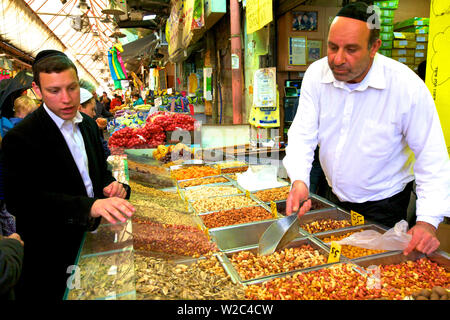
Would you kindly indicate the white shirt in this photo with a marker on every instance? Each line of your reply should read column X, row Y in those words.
column 366, row 135
column 74, row 139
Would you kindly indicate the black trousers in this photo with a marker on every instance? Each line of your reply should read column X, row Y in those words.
column 387, row 212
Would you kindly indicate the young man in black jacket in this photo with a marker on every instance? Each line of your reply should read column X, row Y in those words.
column 67, row 189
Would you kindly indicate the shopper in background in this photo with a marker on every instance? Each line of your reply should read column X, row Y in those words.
column 87, row 106
column 100, row 109
column 116, row 101
column 137, row 100
column 370, row 115
column 11, row 260
column 23, row 106
column 106, row 101
column 67, row 190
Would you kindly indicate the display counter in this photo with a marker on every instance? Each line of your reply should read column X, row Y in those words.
column 198, row 239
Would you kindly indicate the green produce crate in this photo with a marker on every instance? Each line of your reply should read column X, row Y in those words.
column 415, row 21
column 385, row 52
column 392, row 4
column 387, row 21
column 387, row 13
column 386, row 44
column 386, row 36
column 387, row 29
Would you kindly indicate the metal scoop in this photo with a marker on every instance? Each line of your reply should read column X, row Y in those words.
column 280, row 233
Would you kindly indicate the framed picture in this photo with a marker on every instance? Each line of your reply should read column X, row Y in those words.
column 314, row 50
column 304, row 21
column 297, row 54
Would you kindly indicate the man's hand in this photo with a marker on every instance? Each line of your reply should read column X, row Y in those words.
column 115, row 189
column 299, row 192
column 16, row 237
column 423, row 238
column 112, row 209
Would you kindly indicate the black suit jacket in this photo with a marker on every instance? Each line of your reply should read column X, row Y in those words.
column 45, row 191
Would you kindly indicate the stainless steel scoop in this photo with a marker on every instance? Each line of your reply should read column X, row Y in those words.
column 280, row 233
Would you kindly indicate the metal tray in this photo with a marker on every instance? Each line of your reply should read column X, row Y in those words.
column 239, row 236
column 225, row 184
column 318, row 203
column 216, row 176
column 240, row 224
column 440, row 257
column 238, row 195
column 339, row 232
column 332, row 213
column 225, row 260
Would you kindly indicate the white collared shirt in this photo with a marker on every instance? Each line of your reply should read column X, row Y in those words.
column 366, row 136
column 74, row 139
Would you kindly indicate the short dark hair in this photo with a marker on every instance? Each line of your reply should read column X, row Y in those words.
column 373, row 36
column 52, row 64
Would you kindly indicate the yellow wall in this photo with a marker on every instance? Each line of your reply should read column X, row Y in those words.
column 438, row 64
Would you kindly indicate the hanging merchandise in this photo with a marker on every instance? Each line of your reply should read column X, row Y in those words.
column 265, row 111
column 117, row 85
column 116, row 65
column 4, row 74
column 265, row 87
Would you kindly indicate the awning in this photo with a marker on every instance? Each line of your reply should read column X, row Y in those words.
column 139, row 52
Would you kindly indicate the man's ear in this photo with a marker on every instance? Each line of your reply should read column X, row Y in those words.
column 375, row 46
column 37, row 90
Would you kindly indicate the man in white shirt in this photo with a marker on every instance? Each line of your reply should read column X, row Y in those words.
column 370, row 115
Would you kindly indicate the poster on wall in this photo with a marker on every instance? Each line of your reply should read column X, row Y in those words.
column 297, row 51
column 314, row 50
column 304, row 21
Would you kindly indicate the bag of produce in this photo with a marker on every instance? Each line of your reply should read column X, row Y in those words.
column 395, row 238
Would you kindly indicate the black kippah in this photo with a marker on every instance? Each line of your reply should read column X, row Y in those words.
column 46, row 54
column 356, row 10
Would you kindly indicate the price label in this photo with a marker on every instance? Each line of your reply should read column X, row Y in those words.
column 273, row 209
column 357, row 219
column 335, row 252
column 206, row 231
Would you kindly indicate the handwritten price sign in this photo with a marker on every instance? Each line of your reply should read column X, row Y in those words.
column 335, row 252
column 273, row 209
column 357, row 219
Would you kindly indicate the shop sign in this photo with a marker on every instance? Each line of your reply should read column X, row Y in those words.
column 258, row 14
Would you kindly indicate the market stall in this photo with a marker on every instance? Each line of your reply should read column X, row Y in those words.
column 198, row 239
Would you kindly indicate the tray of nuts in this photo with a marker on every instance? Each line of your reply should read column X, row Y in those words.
column 202, row 181
column 200, row 279
column 219, row 219
column 272, row 194
column 400, row 276
column 184, row 172
column 348, row 251
column 389, row 277
column 317, row 203
column 325, row 220
column 231, row 166
column 209, row 191
column 222, row 203
column 300, row 254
